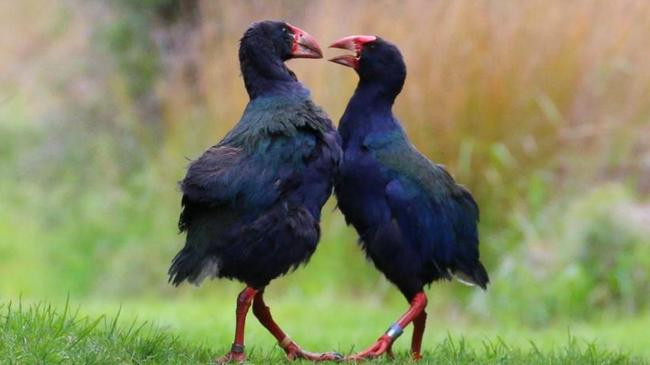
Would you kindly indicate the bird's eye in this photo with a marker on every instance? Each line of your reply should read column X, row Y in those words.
column 284, row 29
column 372, row 46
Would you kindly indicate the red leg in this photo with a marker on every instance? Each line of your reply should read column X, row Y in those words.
column 384, row 343
column 236, row 353
column 263, row 314
column 418, row 332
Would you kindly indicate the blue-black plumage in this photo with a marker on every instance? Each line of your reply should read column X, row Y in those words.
column 415, row 223
column 251, row 204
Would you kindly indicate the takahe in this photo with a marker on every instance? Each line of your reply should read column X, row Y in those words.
column 252, row 203
column 414, row 222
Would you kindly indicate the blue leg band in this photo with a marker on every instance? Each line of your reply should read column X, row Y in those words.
column 394, row 331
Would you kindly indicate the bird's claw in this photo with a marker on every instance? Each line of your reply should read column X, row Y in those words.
column 294, row 352
column 317, row 357
column 231, row 357
column 384, row 345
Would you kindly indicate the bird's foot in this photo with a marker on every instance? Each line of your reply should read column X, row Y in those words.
column 236, row 355
column 416, row 356
column 384, row 345
column 230, row 358
column 295, row 352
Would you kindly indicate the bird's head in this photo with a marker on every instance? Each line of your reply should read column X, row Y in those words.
column 264, row 48
column 374, row 59
column 280, row 40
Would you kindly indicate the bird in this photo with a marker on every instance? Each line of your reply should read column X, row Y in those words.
column 251, row 204
column 415, row 223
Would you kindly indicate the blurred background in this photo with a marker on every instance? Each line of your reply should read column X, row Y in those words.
column 541, row 108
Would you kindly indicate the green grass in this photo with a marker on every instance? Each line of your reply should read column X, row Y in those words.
column 45, row 334
column 40, row 334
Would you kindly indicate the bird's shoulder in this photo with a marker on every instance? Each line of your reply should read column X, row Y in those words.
column 395, row 152
column 257, row 171
column 412, row 171
column 268, row 117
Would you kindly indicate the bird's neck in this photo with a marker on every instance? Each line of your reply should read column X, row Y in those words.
column 268, row 77
column 374, row 95
column 369, row 110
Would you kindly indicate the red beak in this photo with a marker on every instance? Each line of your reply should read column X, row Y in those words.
column 304, row 45
column 352, row 43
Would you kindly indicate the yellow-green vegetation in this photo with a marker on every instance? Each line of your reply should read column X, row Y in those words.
column 542, row 108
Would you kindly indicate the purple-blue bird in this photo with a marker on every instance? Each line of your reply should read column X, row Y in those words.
column 415, row 223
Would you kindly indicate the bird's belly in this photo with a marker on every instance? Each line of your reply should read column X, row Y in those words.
column 315, row 185
column 279, row 240
column 312, row 195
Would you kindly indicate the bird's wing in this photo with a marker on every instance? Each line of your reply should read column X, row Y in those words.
column 436, row 215
column 216, row 176
column 225, row 174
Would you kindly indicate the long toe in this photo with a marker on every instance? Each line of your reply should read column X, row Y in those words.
column 314, row 356
column 325, row 356
column 382, row 346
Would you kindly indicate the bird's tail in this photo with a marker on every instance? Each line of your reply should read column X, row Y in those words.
column 186, row 265
column 477, row 275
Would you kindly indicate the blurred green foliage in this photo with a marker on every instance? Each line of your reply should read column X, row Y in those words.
column 541, row 108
